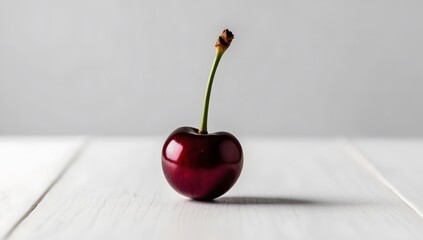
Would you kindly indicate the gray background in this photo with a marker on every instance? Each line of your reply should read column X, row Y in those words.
column 318, row 68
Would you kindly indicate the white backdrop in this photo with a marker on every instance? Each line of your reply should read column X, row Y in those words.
column 140, row 67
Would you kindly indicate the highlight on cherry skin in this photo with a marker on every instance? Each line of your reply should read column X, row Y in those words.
column 198, row 164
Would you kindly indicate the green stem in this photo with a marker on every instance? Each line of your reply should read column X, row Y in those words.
column 203, row 127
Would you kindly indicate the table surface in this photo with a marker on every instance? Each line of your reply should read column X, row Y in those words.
column 290, row 188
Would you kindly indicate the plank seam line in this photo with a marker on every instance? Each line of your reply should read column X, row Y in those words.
column 358, row 156
column 74, row 157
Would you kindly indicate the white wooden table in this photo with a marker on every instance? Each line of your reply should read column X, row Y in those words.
column 299, row 188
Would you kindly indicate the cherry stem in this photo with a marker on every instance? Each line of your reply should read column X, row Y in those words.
column 203, row 127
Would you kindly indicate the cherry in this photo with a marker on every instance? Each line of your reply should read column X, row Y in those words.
column 201, row 166
column 197, row 164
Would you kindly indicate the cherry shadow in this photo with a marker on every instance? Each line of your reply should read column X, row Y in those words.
column 281, row 201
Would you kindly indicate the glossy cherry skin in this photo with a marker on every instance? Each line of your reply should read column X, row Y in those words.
column 201, row 166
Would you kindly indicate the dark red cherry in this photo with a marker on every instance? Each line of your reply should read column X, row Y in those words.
column 201, row 166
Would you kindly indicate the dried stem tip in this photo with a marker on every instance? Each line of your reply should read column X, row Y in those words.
column 224, row 40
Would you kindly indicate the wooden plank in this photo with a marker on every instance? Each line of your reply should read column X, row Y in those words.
column 28, row 167
column 293, row 189
column 400, row 164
